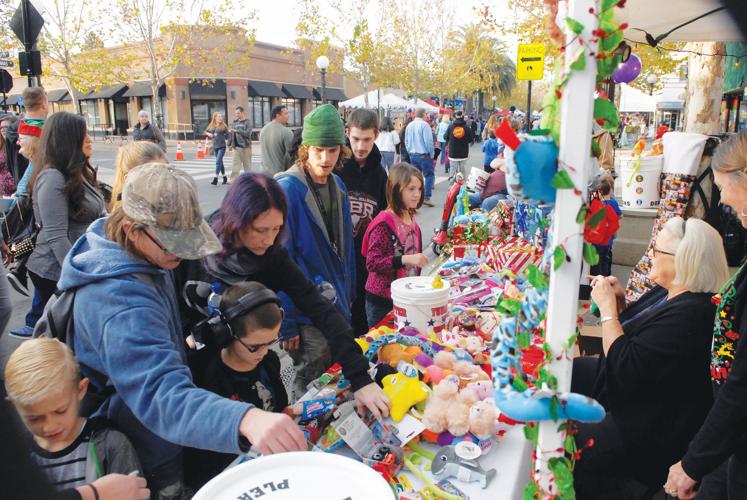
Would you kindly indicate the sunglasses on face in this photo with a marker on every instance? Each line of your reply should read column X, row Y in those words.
column 253, row 348
column 156, row 242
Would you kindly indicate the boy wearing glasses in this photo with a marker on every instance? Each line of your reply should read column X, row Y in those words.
column 245, row 370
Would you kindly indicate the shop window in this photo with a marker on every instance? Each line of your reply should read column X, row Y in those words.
column 294, row 111
column 260, row 109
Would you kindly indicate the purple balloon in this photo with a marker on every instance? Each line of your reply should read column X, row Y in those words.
column 628, row 71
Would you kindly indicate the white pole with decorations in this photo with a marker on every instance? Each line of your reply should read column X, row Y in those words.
column 576, row 114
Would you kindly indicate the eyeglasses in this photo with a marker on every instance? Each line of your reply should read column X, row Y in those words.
column 656, row 251
column 253, row 348
column 156, row 242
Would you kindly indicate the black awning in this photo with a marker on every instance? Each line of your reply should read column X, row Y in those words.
column 142, row 89
column 57, row 95
column 264, row 89
column 297, row 91
column 333, row 94
column 108, row 92
column 201, row 89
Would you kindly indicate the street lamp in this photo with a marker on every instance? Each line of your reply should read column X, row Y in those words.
column 322, row 62
column 651, row 80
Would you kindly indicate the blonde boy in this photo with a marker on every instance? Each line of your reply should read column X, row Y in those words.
column 44, row 384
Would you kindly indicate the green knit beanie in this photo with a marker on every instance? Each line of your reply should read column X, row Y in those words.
column 323, row 128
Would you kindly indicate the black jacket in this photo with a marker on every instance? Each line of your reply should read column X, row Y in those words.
column 724, row 431
column 17, row 163
column 459, row 136
column 655, row 378
column 366, row 191
column 278, row 272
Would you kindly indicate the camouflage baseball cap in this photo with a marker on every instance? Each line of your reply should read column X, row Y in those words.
column 165, row 199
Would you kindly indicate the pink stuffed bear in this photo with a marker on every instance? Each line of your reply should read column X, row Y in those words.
column 482, row 419
column 481, row 389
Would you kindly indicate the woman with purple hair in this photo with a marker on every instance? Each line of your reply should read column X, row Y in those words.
column 248, row 224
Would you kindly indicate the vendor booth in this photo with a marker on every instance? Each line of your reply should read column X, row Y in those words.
column 476, row 354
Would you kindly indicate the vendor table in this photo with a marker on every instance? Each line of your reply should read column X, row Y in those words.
column 510, row 456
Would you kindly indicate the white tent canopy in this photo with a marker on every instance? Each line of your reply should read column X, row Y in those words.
column 389, row 101
column 419, row 103
column 633, row 100
column 658, row 18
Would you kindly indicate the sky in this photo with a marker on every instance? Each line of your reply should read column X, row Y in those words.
column 276, row 19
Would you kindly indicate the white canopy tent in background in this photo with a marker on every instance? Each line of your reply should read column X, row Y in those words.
column 419, row 103
column 376, row 99
column 633, row 100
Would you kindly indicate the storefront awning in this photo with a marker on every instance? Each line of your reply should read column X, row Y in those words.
column 264, row 89
column 297, row 91
column 142, row 89
column 670, row 105
column 108, row 92
column 333, row 94
column 212, row 90
column 58, row 95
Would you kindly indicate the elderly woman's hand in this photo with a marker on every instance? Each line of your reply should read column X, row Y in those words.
column 603, row 293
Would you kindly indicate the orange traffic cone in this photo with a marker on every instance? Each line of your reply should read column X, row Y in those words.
column 207, row 146
column 200, row 152
column 179, row 152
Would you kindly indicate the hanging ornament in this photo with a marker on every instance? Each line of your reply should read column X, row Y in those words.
column 628, row 71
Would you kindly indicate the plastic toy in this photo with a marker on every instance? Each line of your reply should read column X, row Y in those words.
column 446, row 463
column 404, row 390
column 394, row 353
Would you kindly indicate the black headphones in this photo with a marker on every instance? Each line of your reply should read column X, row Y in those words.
column 219, row 326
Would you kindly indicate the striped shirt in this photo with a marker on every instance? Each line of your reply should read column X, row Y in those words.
column 65, row 468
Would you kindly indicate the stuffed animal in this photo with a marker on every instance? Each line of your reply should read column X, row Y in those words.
column 404, row 390
column 482, row 418
column 457, row 413
column 446, row 463
column 434, row 416
column 392, row 354
column 480, row 389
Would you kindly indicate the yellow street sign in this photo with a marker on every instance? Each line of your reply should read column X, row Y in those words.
column 530, row 62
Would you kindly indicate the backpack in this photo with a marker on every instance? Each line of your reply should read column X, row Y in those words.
column 57, row 322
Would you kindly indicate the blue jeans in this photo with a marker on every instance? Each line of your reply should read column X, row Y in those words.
column 219, row 168
column 375, row 312
column 490, row 202
column 387, row 159
column 443, row 151
column 37, row 308
column 424, row 163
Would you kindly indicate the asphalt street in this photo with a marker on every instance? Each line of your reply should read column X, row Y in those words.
column 210, row 196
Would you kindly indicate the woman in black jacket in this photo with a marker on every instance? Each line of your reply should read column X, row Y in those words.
column 248, row 224
column 653, row 375
column 717, row 455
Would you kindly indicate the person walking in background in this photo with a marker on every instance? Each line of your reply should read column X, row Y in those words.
column 128, row 157
column 387, row 142
column 218, row 132
column 443, row 126
column 459, row 137
column 419, row 144
column 241, row 143
column 403, row 154
column 276, row 140
column 144, row 130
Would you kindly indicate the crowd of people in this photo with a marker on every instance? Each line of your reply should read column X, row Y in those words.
column 172, row 367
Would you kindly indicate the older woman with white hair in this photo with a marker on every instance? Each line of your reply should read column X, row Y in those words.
column 144, row 130
column 653, row 375
column 717, row 455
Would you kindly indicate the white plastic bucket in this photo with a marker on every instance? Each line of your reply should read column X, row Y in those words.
column 417, row 304
column 478, row 179
column 640, row 181
column 290, row 476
